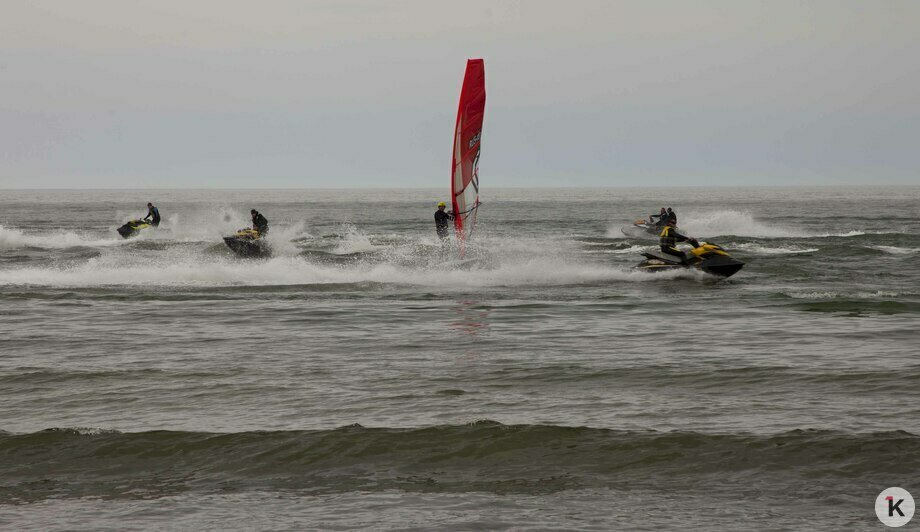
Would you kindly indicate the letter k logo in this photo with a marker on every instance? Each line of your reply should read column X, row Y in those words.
column 894, row 506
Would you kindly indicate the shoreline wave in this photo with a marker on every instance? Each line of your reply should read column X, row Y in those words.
column 481, row 456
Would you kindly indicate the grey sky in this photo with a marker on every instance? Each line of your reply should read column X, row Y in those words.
column 339, row 93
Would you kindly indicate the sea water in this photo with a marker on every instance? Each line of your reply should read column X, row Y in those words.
column 363, row 377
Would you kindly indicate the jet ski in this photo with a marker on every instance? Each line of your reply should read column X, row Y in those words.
column 706, row 257
column 132, row 228
column 248, row 243
column 641, row 229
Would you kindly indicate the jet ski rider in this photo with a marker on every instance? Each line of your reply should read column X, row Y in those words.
column 153, row 212
column 669, row 237
column 662, row 218
column 672, row 216
column 441, row 221
column 259, row 223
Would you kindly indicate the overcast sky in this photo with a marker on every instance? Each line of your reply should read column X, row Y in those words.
column 223, row 93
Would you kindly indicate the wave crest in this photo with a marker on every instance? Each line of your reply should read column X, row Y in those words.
column 481, row 456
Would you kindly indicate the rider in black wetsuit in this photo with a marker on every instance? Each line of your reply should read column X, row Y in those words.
column 669, row 237
column 672, row 216
column 259, row 223
column 442, row 220
column 154, row 213
column 662, row 218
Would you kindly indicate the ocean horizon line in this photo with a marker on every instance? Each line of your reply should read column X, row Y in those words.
column 540, row 187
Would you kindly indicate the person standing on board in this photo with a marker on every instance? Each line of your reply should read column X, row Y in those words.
column 153, row 212
column 442, row 220
column 259, row 223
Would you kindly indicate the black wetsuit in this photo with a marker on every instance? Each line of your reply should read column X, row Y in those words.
column 442, row 223
column 672, row 216
column 662, row 219
column 259, row 223
column 153, row 211
column 669, row 237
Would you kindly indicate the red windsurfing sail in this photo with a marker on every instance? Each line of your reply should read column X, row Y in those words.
column 464, row 177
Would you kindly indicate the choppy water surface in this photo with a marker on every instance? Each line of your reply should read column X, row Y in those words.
column 361, row 377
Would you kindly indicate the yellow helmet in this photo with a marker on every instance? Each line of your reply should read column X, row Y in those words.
column 442, row 204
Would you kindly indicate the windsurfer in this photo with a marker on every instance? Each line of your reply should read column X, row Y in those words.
column 442, row 220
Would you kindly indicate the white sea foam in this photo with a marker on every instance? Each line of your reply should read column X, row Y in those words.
column 844, row 235
column 15, row 239
column 894, row 250
column 761, row 249
column 421, row 260
column 214, row 224
column 176, row 267
column 282, row 238
column 354, row 241
column 631, row 250
column 93, row 431
column 205, row 225
column 724, row 222
column 709, row 224
column 728, row 222
column 842, row 295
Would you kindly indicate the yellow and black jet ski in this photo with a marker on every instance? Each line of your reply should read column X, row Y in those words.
column 248, row 243
column 706, row 257
column 132, row 228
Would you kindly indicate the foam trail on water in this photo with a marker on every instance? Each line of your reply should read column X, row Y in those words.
column 710, row 224
column 769, row 250
column 631, row 250
column 894, row 250
column 835, row 295
column 844, row 235
column 738, row 223
column 719, row 223
column 15, row 239
column 516, row 264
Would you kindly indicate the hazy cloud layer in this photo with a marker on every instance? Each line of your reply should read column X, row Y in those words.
column 339, row 93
